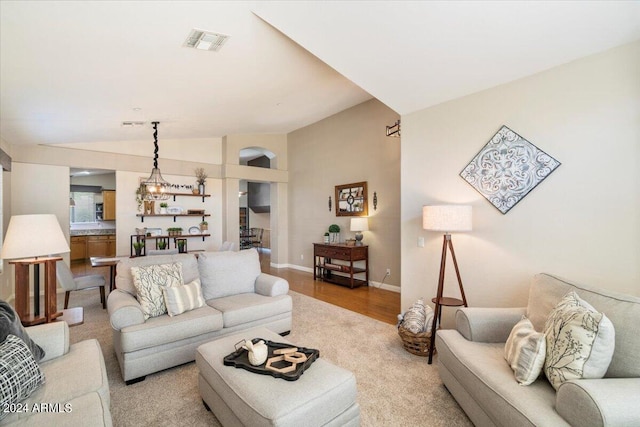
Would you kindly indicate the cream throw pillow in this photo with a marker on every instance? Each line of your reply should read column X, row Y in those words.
column 149, row 281
column 183, row 298
column 525, row 351
column 580, row 341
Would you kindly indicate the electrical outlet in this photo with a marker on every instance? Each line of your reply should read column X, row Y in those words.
column 421, row 242
column 302, row 257
column 388, row 272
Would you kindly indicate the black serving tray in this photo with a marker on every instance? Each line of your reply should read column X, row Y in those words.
column 240, row 359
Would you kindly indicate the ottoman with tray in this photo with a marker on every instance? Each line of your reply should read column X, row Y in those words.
column 324, row 395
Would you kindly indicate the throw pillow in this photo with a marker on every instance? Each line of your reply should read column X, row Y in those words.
column 525, row 351
column 580, row 341
column 415, row 319
column 183, row 298
column 228, row 273
column 20, row 374
column 10, row 324
column 149, row 281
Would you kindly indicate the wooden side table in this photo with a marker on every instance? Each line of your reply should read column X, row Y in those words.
column 22, row 284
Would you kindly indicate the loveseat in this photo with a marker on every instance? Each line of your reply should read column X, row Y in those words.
column 237, row 296
column 473, row 368
column 76, row 389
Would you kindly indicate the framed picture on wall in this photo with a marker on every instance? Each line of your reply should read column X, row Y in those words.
column 351, row 199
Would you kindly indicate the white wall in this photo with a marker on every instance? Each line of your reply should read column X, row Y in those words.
column 582, row 222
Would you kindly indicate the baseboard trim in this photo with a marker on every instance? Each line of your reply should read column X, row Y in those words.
column 372, row 283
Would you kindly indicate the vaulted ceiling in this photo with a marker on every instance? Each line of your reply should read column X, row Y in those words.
column 74, row 71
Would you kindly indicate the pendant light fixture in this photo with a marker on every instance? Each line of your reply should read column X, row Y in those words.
column 157, row 187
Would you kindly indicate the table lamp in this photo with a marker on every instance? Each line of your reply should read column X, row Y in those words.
column 359, row 225
column 29, row 238
column 447, row 218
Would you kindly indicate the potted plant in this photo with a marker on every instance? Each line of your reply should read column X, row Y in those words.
column 182, row 245
column 334, row 229
column 162, row 245
column 326, row 237
column 137, row 247
column 163, row 207
column 204, row 225
column 201, row 178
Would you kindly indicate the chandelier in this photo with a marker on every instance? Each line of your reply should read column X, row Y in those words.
column 156, row 187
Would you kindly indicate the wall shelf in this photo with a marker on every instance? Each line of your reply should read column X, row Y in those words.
column 142, row 216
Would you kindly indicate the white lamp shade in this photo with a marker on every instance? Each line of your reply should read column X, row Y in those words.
column 446, row 218
column 360, row 224
column 30, row 236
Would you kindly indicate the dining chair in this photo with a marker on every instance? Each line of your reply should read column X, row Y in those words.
column 70, row 283
column 256, row 242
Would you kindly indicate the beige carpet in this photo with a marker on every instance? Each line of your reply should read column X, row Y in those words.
column 395, row 388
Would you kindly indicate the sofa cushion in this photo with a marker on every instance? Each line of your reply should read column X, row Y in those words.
column 183, row 298
column 245, row 308
column 228, row 273
column 20, row 375
column 149, row 281
column 10, row 324
column 124, row 279
column 580, row 341
column 164, row 329
column 525, row 351
column 623, row 311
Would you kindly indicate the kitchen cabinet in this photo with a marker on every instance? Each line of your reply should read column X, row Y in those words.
column 101, row 246
column 78, row 248
column 109, row 205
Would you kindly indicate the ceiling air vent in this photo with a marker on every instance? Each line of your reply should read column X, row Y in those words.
column 205, row 40
column 130, row 124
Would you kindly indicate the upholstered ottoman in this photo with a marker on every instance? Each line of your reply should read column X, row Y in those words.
column 324, row 395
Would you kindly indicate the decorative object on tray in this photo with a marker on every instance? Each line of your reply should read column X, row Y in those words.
column 507, row 168
column 257, row 353
column 283, row 360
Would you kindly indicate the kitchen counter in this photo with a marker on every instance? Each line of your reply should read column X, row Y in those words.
column 93, row 232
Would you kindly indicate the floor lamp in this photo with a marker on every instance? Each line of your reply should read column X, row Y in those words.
column 446, row 218
column 31, row 240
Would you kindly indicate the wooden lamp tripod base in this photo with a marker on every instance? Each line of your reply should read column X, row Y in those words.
column 439, row 300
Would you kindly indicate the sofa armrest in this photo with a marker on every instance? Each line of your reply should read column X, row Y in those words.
column 600, row 402
column 52, row 337
column 271, row 286
column 124, row 310
column 487, row 324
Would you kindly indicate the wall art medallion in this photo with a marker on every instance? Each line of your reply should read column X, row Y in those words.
column 507, row 169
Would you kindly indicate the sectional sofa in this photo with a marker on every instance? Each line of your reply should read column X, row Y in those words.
column 238, row 296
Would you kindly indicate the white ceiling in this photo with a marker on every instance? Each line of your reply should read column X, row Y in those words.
column 73, row 71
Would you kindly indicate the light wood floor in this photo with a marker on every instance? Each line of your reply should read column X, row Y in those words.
column 367, row 300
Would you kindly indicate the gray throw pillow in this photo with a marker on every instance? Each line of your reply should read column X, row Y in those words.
column 10, row 324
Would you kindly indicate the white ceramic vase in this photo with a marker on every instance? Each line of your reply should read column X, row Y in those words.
column 257, row 352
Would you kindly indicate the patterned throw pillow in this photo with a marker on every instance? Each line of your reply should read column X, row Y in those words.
column 20, row 375
column 149, row 281
column 10, row 324
column 183, row 298
column 525, row 351
column 580, row 341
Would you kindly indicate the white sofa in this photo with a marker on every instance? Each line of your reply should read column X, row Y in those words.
column 76, row 388
column 237, row 294
column 472, row 366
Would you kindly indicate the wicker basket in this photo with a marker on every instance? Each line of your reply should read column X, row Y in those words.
column 417, row 344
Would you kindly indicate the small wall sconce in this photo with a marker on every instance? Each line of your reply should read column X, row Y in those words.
column 394, row 130
column 375, row 200
column 329, row 203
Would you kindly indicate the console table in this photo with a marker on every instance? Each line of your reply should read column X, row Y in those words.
column 326, row 269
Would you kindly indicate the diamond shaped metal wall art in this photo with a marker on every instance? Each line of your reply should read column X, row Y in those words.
column 507, row 169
